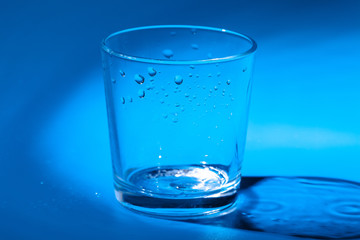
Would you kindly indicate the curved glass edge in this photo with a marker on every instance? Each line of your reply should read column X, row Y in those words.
column 109, row 51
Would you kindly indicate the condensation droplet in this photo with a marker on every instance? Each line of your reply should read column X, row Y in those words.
column 151, row 71
column 218, row 74
column 177, row 104
column 165, row 115
column 203, row 87
column 209, row 75
column 129, row 99
column 151, row 79
column 186, row 95
column 141, row 93
column 182, row 109
column 245, row 68
column 113, row 80
column 139, row 78
column 193, row 31
column 166, row 94
column 178, row 79
column 219, row 83
column 190, row 75
column 232, row 99
column 162, row 101
column 197, row 75
column 198, row 104
column 175, row 120
column 192, row 66
column 228, row 82
column 215, row 88
column 194, row 97
column 209, row 55
column 122, row 73
column 214, row 106
column 195, row 46
column 168, row 53
column 123, row 100
column 173, row 33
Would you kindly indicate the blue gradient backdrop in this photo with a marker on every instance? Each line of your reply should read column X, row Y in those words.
column 55, row 169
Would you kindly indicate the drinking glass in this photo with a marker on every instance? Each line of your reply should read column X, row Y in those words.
column 177, row 102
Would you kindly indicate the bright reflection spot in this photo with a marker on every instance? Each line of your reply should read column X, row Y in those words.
column 160, row 156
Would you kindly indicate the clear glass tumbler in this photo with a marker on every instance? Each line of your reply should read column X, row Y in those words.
column 177, row 101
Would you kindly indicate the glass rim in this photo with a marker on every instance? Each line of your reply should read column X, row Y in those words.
column 108, row 50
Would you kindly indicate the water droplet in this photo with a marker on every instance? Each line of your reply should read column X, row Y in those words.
column 157, row 92
column 175, row 120
column 232, row 99
column 129, row 99
column 168, row 53
column 217, row 65
column 149, row 87
column 139, row 78
column 192, row 66
column 193, row 31
column 209, row 55
column 194, row 97
column 166, row 94
column 195, row 46
column 190, row 75
column 97, row 194
column 41, row 182
column 162, row 101
column 113, row 80
column 151, row 71
column 223, row 94
column 198, row 86
column 198, row 104
column 151, row 79
column 165, row 115
column 123, row 100
column 186, row 95
column 178, row 79
column 209, row 75
column 177, row 104
column 214, row 106
column 141, row 93
column 203, row 87
column 215, row 88
column 182, row 109
column 218, row 74
column 210, row 91
column 197, row 75
column 245, row 68
column 219, row 83
column 228, row 82
column 122, row 73
column 173, row 33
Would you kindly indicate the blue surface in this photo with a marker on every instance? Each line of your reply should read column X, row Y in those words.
column 55, row 169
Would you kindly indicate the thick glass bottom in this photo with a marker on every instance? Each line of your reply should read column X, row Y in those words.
column 179, row 192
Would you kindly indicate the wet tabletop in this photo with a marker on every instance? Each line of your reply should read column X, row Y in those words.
column 55, row 167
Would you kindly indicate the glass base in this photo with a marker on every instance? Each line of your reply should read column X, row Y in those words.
column 179, row 192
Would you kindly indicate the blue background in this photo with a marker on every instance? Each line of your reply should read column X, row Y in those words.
column 55, row 169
